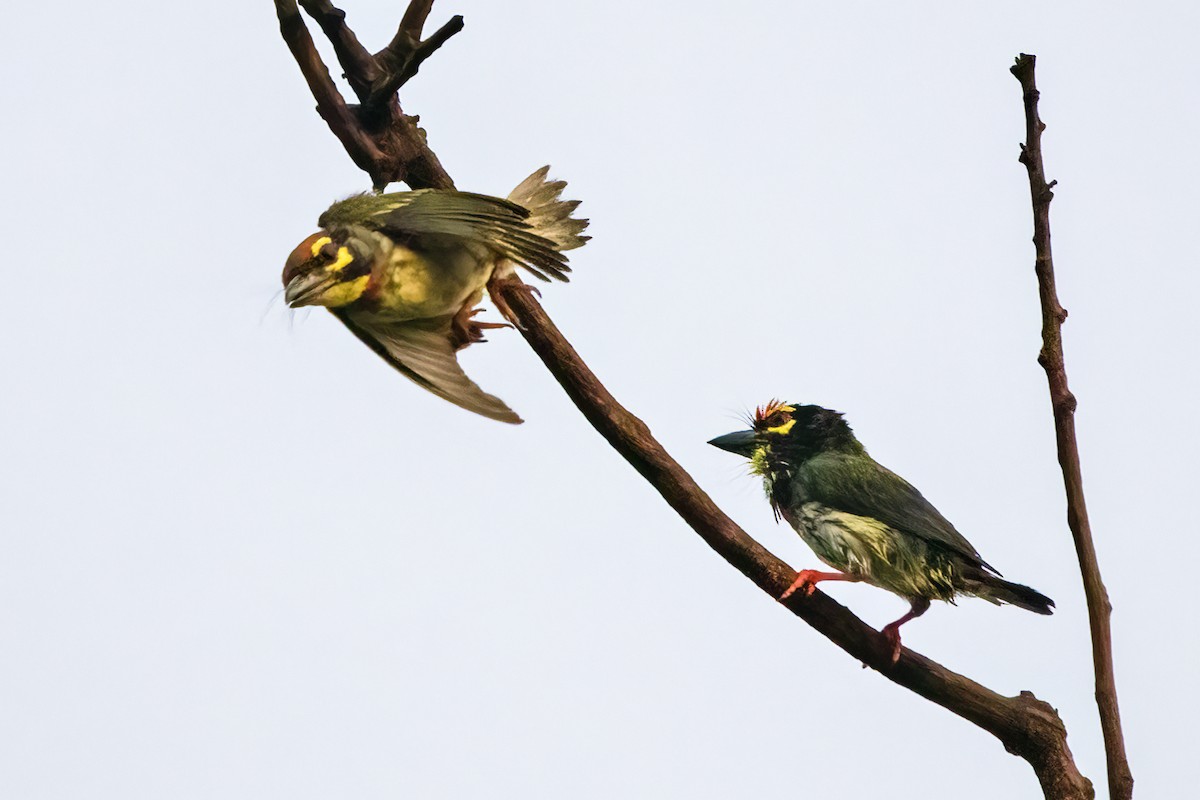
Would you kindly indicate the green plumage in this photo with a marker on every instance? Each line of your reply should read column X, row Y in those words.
column 495, row 223
column 406, row 271
column 860, row 517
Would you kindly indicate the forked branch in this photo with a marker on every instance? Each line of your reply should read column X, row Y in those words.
column 1026, row 726
column 378, row 136
column 1120, row 780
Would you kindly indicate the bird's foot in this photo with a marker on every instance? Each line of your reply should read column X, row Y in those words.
column 465, row 331
column 807, row 580
column 499, row 301
column 891, row 632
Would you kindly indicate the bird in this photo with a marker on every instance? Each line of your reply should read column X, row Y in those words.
column 861, row 518
column 404, row 271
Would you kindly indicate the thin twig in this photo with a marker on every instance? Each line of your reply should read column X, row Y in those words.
column 404, row 61
column 1027, row 727
column 408, row 35
column 1120, row 779
column 414, row 18
column 330, row 104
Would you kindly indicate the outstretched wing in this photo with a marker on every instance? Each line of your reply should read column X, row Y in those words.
column 498, row 224
column 422, row 352
column 859, row 485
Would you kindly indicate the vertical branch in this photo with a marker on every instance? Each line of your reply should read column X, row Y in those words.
column 1120, row 780
column 413, row 21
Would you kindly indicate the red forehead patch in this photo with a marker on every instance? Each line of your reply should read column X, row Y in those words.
column 302, row 253
column 763, row 413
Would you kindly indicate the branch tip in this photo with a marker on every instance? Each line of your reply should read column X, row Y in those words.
column 414, row 18
column 402, row 59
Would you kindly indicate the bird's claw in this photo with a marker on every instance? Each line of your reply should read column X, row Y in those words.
column 466, row 331
column 804, row 583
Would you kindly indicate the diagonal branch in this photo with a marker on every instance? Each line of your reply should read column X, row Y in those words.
column 1120, row 779
column 1026, row 726
column 360, row 67
column 330, row 104
column 404, row 56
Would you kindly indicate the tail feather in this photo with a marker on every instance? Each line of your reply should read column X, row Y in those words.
column 1002, row 591
column 549, row 216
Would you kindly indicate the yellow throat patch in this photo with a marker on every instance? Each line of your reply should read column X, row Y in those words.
column 343, row 292
column 346, row 292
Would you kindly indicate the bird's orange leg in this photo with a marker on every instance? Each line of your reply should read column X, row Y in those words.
column 807, row 580
column 891, row 631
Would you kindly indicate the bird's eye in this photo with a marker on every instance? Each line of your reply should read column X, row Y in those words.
column 776, row 420
column 328, row 252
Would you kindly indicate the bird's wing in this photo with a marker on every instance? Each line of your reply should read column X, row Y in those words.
column 422, row 352
column 498, row 224
column 859, row 485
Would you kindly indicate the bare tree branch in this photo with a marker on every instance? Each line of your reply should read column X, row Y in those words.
column 1026, row 726
column 360, row 68
column 402, row 59
column 381, row 140
column 1120, row 779
column 363, row 151
column 414, row 18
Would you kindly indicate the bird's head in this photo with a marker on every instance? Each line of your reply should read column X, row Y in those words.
column 325, row 270
column 788, row 433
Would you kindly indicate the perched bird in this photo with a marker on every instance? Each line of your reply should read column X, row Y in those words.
column 863, row 519
column 404, row 272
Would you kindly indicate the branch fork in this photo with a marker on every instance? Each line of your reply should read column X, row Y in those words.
column 378, row 136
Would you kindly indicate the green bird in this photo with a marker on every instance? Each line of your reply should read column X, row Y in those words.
column 861, row 518
column 405, row 271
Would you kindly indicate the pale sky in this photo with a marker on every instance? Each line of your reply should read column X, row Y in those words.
column 241, row 558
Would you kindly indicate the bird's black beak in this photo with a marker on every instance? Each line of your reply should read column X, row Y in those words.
column 743, row 443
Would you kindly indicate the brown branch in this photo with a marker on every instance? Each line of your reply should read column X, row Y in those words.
column 413, row 21
column 1120, row 779
column 381, row 140
column 360, row 68
column 1026, row 726
column 363, row 151
column 404, row 56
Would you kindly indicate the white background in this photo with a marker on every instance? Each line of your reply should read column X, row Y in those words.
column 241, row 558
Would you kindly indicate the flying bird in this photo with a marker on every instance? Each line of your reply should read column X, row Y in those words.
column 404, row 272
column 861, row 518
